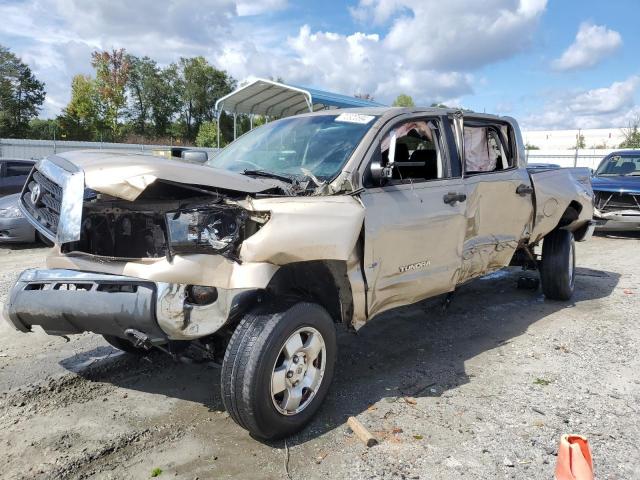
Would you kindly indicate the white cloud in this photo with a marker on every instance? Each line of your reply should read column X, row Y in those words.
column 427, row 49
column 256, row 7
column 455, row 34
column 610, row 106
column 593, row 44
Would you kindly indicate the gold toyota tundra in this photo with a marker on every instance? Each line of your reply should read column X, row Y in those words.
column 324, row 218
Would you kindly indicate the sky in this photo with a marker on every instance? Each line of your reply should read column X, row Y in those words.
column 552, row 64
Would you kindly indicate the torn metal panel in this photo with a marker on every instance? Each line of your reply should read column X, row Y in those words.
column 555, row 190
column 304, row 228
column 126, row 176
column 183, row 321
column 496, row 219
column 196, row 269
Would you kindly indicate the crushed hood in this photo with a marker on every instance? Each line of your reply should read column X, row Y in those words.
column 616, row 184
column 127, row 175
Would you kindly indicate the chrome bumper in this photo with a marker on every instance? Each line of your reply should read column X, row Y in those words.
column 65, row 302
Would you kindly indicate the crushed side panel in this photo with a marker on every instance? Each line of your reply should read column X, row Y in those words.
column 554, row 191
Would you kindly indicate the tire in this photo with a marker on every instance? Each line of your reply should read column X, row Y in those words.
column 558, row 265
column 259, row 361
column 124, row 345
column 43, row 240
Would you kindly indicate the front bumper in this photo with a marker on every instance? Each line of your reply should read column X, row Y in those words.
column 619, row 220
column 65, row 302
column 16, row 230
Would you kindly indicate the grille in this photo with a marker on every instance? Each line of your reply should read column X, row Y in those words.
column 48, row 200
column 611, row 201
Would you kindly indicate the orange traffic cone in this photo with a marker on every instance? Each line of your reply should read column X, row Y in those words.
column 574, row 459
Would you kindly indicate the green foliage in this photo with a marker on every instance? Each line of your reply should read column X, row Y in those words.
column 21, row 95
column 40, row 129
column 128, row 96
column 199, row 86
column 153, row 96
column 403, row 100
column 208, row 135
column 541, row 381
column 156, row 472
column 83, row 117
column 580, row 143
column 529, row 146
column 112, row 74
column 631, row 134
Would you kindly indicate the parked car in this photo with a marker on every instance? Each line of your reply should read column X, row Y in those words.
column 13, row 173
column 328, row 217
column 14, row 226
column 616, row 185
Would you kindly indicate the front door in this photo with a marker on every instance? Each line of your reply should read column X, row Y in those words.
column 415, row 224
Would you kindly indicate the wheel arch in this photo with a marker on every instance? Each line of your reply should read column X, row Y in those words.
column 321, row 281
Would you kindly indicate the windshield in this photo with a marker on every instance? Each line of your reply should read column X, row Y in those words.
column 620, row 165
column 297, row 146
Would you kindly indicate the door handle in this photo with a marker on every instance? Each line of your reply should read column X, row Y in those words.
column 524, row 190
column 452, row 197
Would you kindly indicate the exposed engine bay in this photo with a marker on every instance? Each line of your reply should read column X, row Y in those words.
column 150, row 227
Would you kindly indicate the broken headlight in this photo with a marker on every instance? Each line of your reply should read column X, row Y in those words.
column 205, row 230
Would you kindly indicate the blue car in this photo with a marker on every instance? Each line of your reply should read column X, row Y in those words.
column 616, row 185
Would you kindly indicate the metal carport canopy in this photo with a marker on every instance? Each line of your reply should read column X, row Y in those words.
column 269, row 98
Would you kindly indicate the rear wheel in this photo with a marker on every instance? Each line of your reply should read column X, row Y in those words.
column 277, row 368
column 558, row 266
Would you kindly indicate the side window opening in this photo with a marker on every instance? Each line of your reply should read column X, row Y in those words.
column 418, row 155
column 486, row 149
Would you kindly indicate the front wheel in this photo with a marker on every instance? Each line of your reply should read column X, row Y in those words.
column 558, row 266
column 277, row 368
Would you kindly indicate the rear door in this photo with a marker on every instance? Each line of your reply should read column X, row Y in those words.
column 499, row 207
column 414, row 225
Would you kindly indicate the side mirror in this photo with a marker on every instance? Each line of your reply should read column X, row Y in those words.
column 195, row 156
column 381, row 167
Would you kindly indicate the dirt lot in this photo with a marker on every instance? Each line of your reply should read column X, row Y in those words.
column 483, row 390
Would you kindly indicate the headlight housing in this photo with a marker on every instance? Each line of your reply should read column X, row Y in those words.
column 10, row 212
column 205, row 230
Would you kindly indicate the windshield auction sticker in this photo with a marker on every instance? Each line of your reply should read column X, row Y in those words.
column 354, row 118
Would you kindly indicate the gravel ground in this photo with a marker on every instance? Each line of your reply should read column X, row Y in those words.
column 483, row 390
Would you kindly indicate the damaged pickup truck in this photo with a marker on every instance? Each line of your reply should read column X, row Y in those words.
column 323, row 218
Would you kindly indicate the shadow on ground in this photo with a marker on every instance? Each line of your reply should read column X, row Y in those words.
column 630, row 235
column 418, row 351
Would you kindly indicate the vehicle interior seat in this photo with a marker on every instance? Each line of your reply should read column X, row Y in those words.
column 627, row 167
column 430, row 160
column 402, row 162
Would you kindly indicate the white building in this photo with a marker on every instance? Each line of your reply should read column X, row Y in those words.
column 600, row 138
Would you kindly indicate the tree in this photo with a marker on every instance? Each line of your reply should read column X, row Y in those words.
column 403, row 100
column 580, row 143
column 40, row 129
column 208, row 135
column 631, row 134
column 112, row 75
column 529, row 146
column 153, row 96
column 21, row 95
column 200, row 85
column 82, row 118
